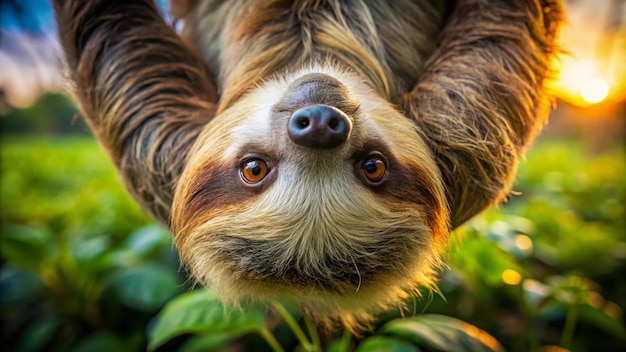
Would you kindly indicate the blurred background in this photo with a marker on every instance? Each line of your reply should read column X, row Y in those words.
column 83, row 269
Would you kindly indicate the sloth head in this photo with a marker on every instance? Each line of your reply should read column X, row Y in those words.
column 314, row 186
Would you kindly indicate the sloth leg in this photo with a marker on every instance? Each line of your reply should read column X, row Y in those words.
column 481, row 100
column 145, row 94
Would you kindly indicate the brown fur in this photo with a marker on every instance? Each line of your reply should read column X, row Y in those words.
column 451, row 103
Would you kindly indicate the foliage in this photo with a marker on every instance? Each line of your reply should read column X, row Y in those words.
column 83, row 266
column 85, row 270
column 60, row 113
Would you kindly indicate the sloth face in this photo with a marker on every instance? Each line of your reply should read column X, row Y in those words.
column 311, row 185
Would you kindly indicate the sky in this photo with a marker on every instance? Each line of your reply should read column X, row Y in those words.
column 30, row 55
column 31, row 59
column 26, row 15
column 31, row 15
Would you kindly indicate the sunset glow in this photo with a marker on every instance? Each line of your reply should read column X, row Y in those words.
column 594, row 90
column 581, row 82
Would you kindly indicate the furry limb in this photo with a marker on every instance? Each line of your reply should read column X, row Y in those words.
column 481, row 101
column 145, row 94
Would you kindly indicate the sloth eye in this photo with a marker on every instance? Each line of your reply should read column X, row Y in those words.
column 374, row 168
column 253, row 170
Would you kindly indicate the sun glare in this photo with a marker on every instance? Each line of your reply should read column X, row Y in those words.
column 594, row 90
column 580, row 82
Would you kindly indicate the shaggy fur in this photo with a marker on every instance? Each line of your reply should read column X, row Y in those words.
column 448, row 97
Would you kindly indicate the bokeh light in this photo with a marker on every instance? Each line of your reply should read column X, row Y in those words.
column 523, row 243
column 511, row 277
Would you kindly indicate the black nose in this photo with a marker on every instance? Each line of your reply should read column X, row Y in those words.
column 319, row 126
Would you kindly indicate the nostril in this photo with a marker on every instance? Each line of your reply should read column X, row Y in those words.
column 319, row 126
column 303, row 122
column 334, row 123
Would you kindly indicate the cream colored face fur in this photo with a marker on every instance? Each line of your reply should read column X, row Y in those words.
column 312, row 228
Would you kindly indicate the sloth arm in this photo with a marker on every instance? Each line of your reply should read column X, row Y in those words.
column 480, row 101
column 144, row 93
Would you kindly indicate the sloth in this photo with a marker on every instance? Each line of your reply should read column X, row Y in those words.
column 316, row 149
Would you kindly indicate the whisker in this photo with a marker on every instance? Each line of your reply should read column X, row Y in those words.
column 358, row 273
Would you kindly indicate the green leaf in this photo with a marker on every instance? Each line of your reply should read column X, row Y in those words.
column 147, row 238
column 86, row 248
column 145, row 287
column 483, row 259
column 23, row 246
column 601, row 319
column 211, row 342
column 442, row 333
column 384, row 344
column 102, row 342
column 39, row 333
column 201, row 312
column 18, row 286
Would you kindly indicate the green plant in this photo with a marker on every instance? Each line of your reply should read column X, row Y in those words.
column 85, row 270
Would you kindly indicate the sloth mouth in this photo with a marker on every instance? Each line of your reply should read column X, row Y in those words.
column 269, row 261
